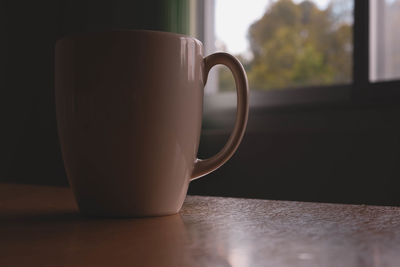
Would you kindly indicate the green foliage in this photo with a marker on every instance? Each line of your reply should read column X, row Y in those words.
column 297, row 45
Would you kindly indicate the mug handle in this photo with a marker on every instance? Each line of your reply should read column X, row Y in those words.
column 203, row 167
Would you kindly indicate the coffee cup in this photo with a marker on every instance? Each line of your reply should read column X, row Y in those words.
column 129, row 111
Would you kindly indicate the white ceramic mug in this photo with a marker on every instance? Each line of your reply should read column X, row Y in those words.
column 129, row 111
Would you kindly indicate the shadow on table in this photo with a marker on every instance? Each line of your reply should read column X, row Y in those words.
column 67, row 238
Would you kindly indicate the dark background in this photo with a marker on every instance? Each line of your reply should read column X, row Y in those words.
column 345, row 151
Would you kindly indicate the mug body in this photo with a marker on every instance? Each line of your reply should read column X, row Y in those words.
column 129, row 109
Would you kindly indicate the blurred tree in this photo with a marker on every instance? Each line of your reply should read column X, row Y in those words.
column 297, row 45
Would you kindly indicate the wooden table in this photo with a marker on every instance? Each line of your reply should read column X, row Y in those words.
column 40, row 226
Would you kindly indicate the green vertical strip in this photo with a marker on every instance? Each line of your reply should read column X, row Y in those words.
column 177, row 16
column 184, row 16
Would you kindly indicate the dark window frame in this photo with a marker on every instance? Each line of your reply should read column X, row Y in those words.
column 362, row 89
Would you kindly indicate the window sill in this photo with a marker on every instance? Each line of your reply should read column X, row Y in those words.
column 308, row 109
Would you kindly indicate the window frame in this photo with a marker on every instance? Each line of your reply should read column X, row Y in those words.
column 363, row 89
column 359, row 92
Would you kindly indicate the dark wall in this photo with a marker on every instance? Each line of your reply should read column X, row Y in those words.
column 30, row 151
column 337, row 154
column 342, row 153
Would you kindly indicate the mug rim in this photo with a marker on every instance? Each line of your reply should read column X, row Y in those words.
column 94, row 33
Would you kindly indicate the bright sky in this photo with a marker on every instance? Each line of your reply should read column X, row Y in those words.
column 233, row 18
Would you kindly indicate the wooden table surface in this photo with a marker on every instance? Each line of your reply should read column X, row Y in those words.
column 40, row 226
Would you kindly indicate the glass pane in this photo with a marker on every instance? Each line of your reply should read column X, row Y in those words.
column 384, row 40
column 286, row 44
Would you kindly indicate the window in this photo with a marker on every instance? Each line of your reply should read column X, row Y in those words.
column 299, row 51
column 287, row 44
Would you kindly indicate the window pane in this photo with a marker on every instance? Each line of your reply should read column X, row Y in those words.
column 384, row 40
column 285, row 43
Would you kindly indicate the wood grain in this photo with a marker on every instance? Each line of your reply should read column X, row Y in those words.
column 40, row 226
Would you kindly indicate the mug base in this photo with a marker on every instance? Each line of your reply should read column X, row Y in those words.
column 87, row 212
